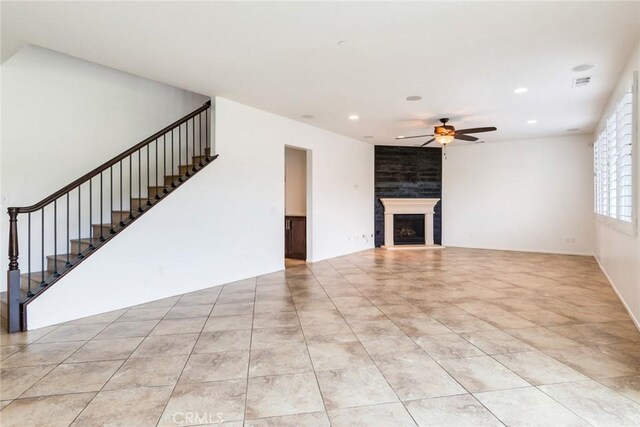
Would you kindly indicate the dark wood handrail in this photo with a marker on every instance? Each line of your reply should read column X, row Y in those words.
column 44, row 202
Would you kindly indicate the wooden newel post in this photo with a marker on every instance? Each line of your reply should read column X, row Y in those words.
column 13, row 275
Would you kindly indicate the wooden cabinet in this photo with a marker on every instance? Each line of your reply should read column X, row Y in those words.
column 295, row 237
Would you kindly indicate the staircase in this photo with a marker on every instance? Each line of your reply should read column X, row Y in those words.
column 67, row 227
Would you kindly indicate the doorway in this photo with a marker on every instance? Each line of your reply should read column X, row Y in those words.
column 295, row 196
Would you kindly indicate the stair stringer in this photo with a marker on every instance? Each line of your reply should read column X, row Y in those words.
column 183, row 244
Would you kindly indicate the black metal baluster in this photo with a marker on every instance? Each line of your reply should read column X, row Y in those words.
column 164, row 168
column 111, row 230
column 193, row 143
column 157, row 176
column 29, row 293
column 101, row 209
column 173, row 168
column 139, row 181
column 55, row 239
column 199, row 138
column 148, row 147
column 186, row 145
column 149, row 203
column 157, row 195
column 139, row 192
column 80, row 256
column 44, row 267
column 130, row 186
column 164, row 160
column 68, row 263
column 203, row 136
column 179, row 152
column 207, row 143
column 121, row 222
column 91, row 247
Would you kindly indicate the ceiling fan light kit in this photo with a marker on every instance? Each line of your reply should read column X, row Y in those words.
column 444, row 139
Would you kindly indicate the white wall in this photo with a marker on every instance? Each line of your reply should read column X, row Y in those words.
column 61, row 118
column 534, row 195
column 225, row 224
column 618, row 252
column 295, row 193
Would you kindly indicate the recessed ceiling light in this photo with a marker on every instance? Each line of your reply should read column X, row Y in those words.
column 400, row 137
column 341, row 42
column 532, row 122
column 353, row 117
column 520, row 90
column 307, row 116
column 368, row 136
column 583, row 67
column 414, row 98
column 573, row 130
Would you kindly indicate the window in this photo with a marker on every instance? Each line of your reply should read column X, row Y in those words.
column 613, row 162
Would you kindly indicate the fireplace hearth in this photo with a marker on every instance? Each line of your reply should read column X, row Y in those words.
column 408, row 229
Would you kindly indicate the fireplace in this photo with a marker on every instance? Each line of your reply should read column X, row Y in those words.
column 408, row 223
column 408, row 229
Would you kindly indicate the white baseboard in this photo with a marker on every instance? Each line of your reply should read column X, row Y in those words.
column 624, row 304
column 533, row 251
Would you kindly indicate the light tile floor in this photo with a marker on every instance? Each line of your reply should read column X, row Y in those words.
column 431, row 338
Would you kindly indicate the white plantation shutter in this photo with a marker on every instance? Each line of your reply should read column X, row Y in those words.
column 604, row 153
column 601, row 181
column 624, row 178
column 612, row 170
column 613, row 162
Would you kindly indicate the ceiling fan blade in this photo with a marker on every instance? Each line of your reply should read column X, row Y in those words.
column 466, row 137
column 476, row 130
column 417, row 136
column 428, row 142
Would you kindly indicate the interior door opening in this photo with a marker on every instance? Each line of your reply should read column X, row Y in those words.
column 295, row 217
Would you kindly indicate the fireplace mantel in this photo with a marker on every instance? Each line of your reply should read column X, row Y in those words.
column 394, row 206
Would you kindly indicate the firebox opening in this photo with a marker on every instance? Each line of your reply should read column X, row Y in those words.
column 408, row 229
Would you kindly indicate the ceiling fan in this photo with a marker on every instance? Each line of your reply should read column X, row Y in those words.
column 445, row 134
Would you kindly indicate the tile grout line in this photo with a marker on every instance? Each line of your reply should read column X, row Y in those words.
column 489, row 391
column 306, row 345
column 122, row 364
column 173, row 389
column 491, row 356
column 365, row 349
column 444, row 370
column 441, row 367
column 65, row 359
column 535, row 386
column 253, row 318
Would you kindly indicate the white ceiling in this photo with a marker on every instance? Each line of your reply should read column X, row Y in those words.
column 464, row 58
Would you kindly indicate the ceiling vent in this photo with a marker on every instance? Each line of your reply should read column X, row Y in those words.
column 581, row 81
